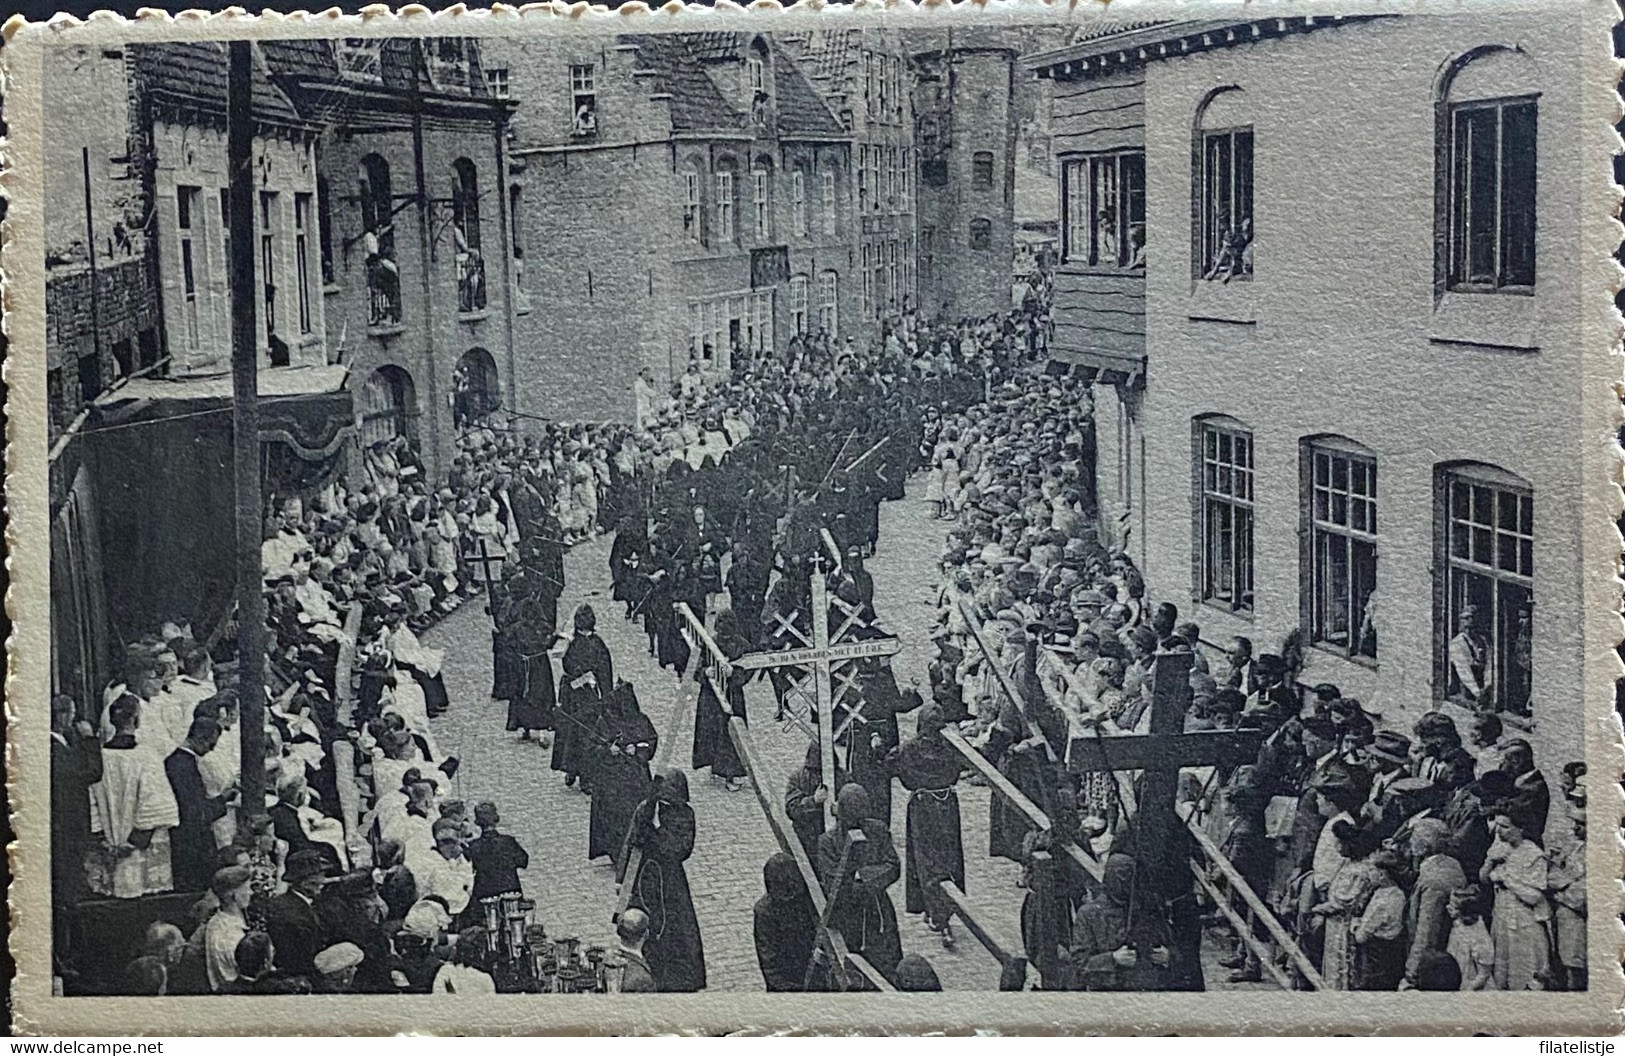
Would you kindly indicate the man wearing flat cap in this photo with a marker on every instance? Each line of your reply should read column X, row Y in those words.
column 290, row 918
column 336, row 967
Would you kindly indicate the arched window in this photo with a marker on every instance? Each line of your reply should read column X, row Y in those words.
column 465, row 227
column 761, row 197
column 725, row 194
column 981, row 234
column 798, row 201
column 1484, row 578
column 516, row 233
column 798, row 303
column 693, row 177
column 1223, row 489
column 1222, row 187
column 1486, row 141
column 476, row 388
column 828, row 315
column 981, row 170
column 378, row 238
column 388, row 407
column 1340, row 545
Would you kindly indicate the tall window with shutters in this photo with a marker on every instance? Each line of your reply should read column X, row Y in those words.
column 1487, row 566
column 1340, row 480
column 798, row 303
column 1492, row 194
column 188, row 213
column 1103, row 199
column 866, row 289
column 1224, row 514
column 827, row 186
column 725, row 206
column 691, row 206
column 798, row 203
column 828, row 283
column 301, row 258
column 761, row 217
column 268, row 261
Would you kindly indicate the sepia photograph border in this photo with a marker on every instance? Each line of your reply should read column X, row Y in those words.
column 25, row 60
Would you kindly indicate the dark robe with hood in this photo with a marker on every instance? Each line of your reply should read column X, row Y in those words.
column 712, row 745
column 663, row 830
column 1104, row 925
column 882, row 702
column 806, row 814
column 929, row 767
column 533, row 695
column 581, row 698
column 620, row 781
column 786, row 926
column 862, row 910
column 627, row 556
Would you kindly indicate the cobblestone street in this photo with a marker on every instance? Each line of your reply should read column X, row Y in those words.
column 573, row 896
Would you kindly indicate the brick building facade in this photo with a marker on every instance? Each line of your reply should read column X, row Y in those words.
column 726, row 191
column 1253, row 384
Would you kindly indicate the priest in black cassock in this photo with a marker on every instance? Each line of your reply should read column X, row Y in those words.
column 929, row 768
column 712, row 745
column 588, row 676
column 626, row 741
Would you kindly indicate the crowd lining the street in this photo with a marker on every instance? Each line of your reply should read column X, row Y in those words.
column 1396, row 861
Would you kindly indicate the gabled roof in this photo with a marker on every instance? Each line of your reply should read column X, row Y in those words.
column 196, row 75
column 831, row 53
column 696, row 103
column 801, row 111
column 715, row 47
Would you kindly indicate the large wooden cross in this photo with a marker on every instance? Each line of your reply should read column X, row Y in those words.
column 824, row 652
column 717, row 668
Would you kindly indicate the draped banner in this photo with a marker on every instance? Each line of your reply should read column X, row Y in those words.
column 79, row 653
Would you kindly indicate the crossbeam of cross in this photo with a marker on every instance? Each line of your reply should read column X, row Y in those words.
column 719, row 669
column 822, row 656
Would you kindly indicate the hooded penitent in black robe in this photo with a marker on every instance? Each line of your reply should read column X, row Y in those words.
column 863, row 910
column 626, row 558
column 502, row 598
column 1028, row 768
column 882, row 702
column 662, row 829
column 620, row 781
column 580, row 699
column 929, row 768
column 668, row 556
column 806, row 814
column 530, row 707
column 712, row 745
column 786, row 926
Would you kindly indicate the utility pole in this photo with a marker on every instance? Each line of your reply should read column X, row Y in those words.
column 245, row 435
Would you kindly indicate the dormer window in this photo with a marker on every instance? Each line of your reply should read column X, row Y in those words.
column 755, row 75
column 583, row 101
column 358, row 58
